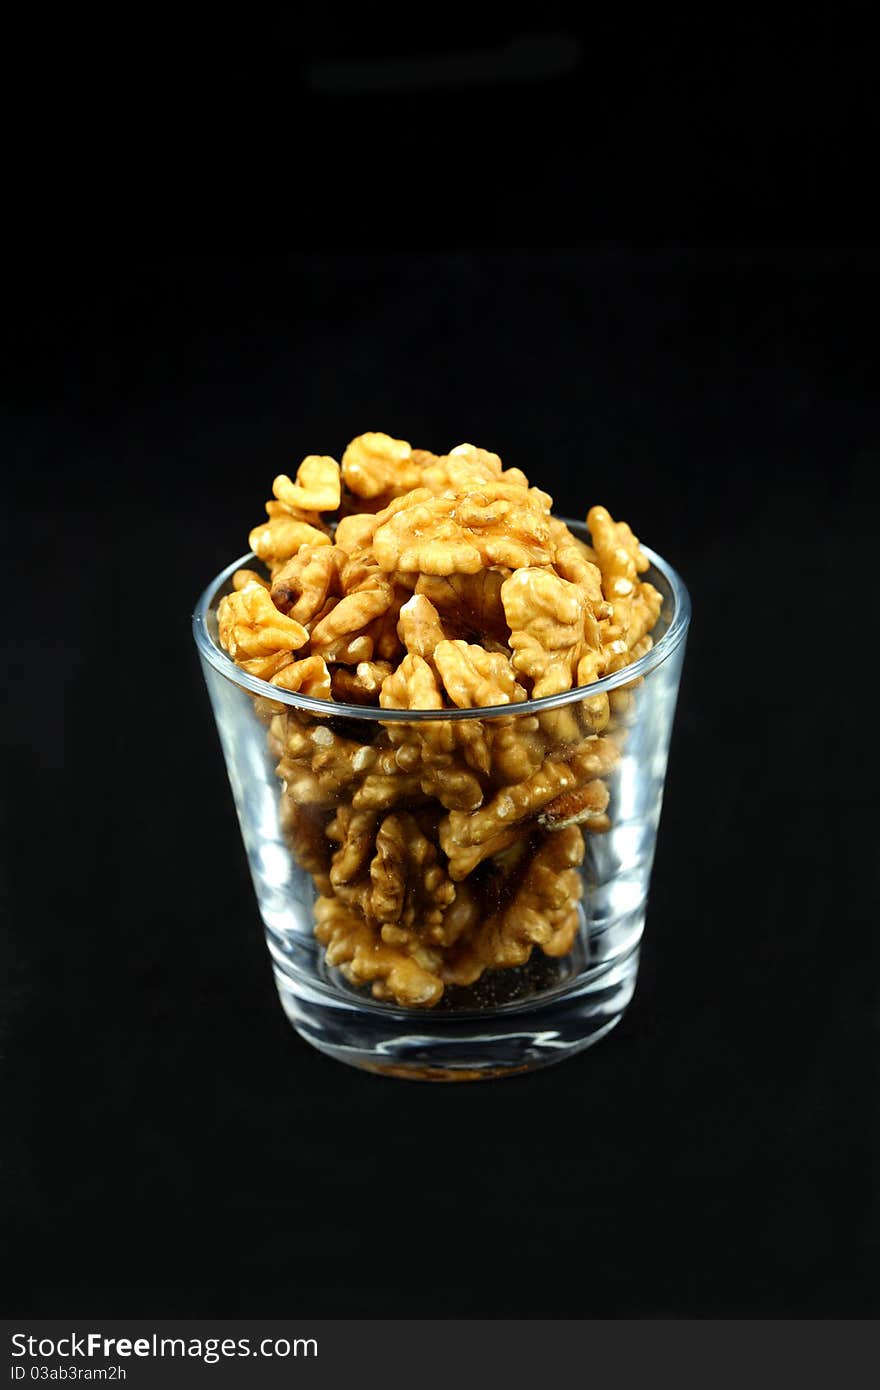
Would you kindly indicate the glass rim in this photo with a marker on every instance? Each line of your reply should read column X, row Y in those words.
column 667, row 644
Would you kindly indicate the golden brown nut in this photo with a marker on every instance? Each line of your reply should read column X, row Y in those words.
column 309, row 676
column 379, row 791
column 423, row 458
column 303, row 584
column 561, row 727
column 326, row 607
column 362, row 685
column 281, row 536
column 550, row 886
column 318, row 765
column 635, row 606
column 508, row 808
column 460, row 917
column 354, row 535
column 643, row 616
column 436, row 752
column 462, row 833
column 341, row 636
column 465, row 468
column 472, row 741
column 469, row 604
column 414, row 686
column 250, row 625
column 462, row 468
column 463, row 533
column 387, row 645
column 594, row 757
column 419, row 627
column 267, row 667
column 574, row 560
column 518, row 748
column 243, row 579
column 585, row 805
column 554, row 636
column 466, row 858
column 355, row 833
column 410, row 888
column 408, row 975
column 375, row 465
column 454, row 785
column 317, row 486
column 474, row 677
column 564, row 923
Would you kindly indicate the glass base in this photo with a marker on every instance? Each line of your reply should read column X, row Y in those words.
column 463, row 1045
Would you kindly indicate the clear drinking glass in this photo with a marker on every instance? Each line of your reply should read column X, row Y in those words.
column 570, row 871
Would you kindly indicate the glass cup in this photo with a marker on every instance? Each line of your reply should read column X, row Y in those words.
column 478, row 878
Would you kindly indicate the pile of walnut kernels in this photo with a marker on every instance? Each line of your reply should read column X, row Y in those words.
column 439, row 849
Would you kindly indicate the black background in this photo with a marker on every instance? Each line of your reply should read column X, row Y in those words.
column 635, row 259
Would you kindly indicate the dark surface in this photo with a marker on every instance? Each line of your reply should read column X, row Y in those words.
column 333, row 124
column 171, row 1148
